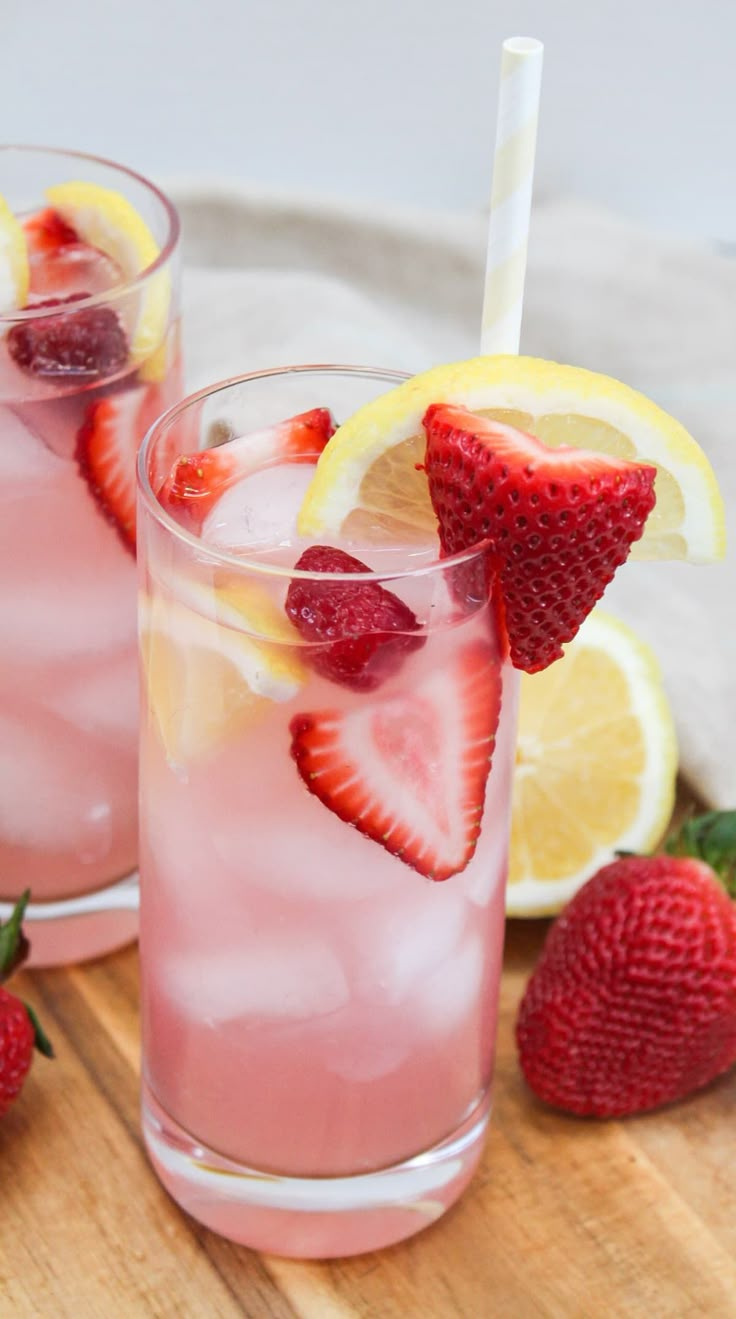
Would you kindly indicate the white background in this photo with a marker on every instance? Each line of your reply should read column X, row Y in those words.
column 388, row 101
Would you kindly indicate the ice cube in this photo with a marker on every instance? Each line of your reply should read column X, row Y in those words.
column 67, row 582
column 399, row 943
column 73, row 268
column 261, row 510
column 100, row 696
column 59, row 788
column 363, row 1043
column 447, row 996
column 271, row 832
column 289, row 977
column 26, row 465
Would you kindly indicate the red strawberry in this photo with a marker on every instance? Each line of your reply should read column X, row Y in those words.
column 107, row 446
column 20, row 1031
column 560, row 520
column 364, row 630
column 633, row 1001
column 197, row 480
column 46, row 232
column 410, row 771
column 79, row 346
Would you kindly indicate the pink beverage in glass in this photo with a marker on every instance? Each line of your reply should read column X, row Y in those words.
column 76, row 397
column 319, row 1016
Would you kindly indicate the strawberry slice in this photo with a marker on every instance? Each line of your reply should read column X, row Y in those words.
column 46, row 232
column 107, row 447
column 359, row 630
column 197, row 480
column 560, row 521
column 409, row 772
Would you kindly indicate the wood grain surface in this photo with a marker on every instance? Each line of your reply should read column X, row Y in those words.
column 565, row 1218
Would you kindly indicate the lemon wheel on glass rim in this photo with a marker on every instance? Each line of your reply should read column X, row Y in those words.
column 368, row 479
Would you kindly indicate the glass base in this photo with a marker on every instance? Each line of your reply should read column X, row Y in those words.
column 71, row 939
column 312, row 1218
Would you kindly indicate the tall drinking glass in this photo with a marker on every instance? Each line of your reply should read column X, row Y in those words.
column 85, row 367
column 318, row 1017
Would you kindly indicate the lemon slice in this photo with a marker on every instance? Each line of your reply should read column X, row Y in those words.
column 596, row 763
column 206, row 677
column 14, row 274
column 106, row 219
column 367, row 480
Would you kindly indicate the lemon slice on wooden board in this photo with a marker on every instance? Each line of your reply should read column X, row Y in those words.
column 106, row 219
column 369, row 478
column 208, row 674
column 14, row 272
column 596, row 764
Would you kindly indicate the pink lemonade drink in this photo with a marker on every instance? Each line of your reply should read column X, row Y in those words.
column 323, row 847
column 88, row 359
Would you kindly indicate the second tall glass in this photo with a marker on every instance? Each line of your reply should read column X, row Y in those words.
column 86, row 364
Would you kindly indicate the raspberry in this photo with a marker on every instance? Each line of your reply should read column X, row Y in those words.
column 83, row 345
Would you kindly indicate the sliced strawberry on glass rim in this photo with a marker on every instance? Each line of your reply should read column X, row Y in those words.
column 559, row 521
column 107, row 447
column 409, row 772
column 197, row 480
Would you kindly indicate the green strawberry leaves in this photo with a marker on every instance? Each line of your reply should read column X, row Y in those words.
column 711, row 838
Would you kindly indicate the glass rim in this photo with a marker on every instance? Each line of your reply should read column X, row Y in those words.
column 23, row 314
column 211, row 554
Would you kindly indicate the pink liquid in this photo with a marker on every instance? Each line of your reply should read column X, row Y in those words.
column 312, row 1006
column 68, row 687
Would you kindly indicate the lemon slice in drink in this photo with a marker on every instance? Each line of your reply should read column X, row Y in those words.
column 208, row 670
column 595, row 765
column 367, row 480
column 14, row 275
column 106, row 219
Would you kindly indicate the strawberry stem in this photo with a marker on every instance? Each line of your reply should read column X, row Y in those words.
column 711, row 838
column 14, row 947
column 41, row 1039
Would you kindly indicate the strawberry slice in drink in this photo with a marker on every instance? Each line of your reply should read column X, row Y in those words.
column 198, row 480
column 107, row 447
column 560, row 521
column 46, row 232
column 362, row 631
column 409, row 772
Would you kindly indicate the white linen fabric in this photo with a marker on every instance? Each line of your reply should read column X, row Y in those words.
column 272, row 280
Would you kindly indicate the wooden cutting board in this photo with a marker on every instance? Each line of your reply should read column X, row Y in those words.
column 565, row 1218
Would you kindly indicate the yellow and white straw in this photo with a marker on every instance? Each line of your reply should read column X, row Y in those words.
column 511, row 194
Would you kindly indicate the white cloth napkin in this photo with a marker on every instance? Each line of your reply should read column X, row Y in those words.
column 274, row 280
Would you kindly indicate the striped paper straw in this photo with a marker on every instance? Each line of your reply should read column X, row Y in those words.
column 511, row 194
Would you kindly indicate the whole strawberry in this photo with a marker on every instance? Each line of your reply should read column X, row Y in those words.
column 20, row 1031
column 633, row 1002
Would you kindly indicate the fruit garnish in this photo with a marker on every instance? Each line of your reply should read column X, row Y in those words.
column 370, row 478
column 596, row 761
column 633, row 1001
column 409, row 771
column 46, row 232
column 80, row 346
column 107, row 445
column 198, row 480
column 559, row 521
column 360, row 631
column 106, row 220
column 208, row 677
column 20, row 1030
column 14, row 272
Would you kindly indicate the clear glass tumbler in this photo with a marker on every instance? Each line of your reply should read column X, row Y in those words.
column 85, row 368
column 318, row 1017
